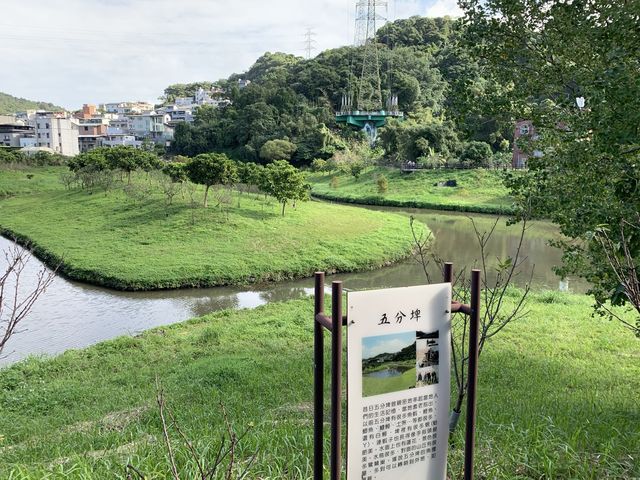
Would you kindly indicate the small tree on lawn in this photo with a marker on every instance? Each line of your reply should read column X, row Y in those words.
column 176, row 171
column 129, row 159
column 249, row 174
column 212, row 169
column 285, row 182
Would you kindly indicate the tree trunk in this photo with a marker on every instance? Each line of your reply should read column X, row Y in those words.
column 206, row 194
column 129, row 177
column 284, row 204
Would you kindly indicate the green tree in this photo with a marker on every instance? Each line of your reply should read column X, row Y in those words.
column 128, row 159
column 285, row 182
column 475, row 154
column 212, row 169
column 249, row 173
column 587, row 179
column 176, row 171
column 93, row 159
column 278, row 149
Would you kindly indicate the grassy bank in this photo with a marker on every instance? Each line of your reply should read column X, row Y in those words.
column 19, row 179
column 477, row 191
column 376, row 386
column 557, row 399
column 129, row 238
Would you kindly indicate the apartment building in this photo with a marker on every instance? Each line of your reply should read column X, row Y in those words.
column 55, row 130
column 153, row 126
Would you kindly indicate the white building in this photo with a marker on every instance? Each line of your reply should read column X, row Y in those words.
column 118, row 137
column 12, row 133
column 154, row 126
column 55, row 130
column 126, row 108
column 178, row 114
column 120, row 122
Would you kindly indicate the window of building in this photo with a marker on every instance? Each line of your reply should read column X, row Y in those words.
column 47, row 125
column 86, row 129
column 38, row 135
column 47, row 134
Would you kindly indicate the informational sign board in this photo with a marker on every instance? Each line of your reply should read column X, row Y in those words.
column 398, row 359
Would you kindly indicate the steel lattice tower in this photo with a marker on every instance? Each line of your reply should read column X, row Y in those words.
column 368, row 18
column 369, row 113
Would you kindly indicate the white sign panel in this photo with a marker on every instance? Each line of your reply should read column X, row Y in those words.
column 398, row 354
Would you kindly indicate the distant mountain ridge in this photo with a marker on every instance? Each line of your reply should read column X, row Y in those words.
column 407, row 353
column 10, row 104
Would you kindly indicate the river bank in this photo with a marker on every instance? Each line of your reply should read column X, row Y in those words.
column 129, row 238
column 100, row 313
column 550, row 405
column 478, row 190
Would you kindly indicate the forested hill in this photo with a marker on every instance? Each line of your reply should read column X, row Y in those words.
column 10, row 104
column 293, row 99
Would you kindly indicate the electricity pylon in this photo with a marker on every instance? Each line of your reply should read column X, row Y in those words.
column 369, row 16
column 309, row 42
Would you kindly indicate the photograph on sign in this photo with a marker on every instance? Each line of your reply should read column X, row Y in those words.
column 398, row 360
column 393, row 368
column 427, row 357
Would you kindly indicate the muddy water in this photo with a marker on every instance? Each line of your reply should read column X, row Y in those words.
column 75, row 315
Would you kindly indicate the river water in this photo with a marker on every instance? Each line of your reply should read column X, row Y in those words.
column 75, row 315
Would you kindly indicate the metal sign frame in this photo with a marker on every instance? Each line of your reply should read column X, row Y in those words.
column 334, row 324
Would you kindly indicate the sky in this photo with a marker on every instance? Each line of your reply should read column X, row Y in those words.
column 372, row 346
column 71, row 52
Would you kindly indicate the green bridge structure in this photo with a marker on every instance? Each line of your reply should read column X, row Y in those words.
column 361, row 119
column 369, row 120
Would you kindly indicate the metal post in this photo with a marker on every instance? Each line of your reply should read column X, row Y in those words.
column 318, row 377
column 448, row 272
column 336, row 379
column 469, row 445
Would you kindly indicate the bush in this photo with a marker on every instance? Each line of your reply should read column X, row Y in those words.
column 476, row 154
column 319, row 165
column 383, row 184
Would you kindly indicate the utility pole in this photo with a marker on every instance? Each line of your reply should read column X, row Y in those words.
column 309, row 42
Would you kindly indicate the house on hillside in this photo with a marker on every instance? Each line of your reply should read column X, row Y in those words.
column 524, row 129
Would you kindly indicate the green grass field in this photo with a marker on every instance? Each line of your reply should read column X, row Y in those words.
column 377, row 386
column 126, row 242
column 558, row 398
column 24, row 180
column 477, row 191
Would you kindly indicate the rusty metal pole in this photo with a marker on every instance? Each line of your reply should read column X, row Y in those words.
column 474, row 331
column 336, row 379
column 318, row 378
column 448, row 272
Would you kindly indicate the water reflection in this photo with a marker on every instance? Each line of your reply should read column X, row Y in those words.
column 74, row 315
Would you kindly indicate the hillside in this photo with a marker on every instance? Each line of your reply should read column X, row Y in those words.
column 10, row 104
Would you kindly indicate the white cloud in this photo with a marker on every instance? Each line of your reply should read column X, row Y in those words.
column 373, row 346
column 91, row 51
column 442, row 8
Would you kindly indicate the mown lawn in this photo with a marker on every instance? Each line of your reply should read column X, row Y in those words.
column 129, row 238
column 476, row 191
column 558, row 398
column 18, row 179
column 378, row 386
